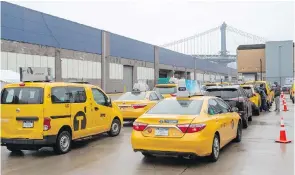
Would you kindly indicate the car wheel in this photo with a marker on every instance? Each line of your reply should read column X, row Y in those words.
column 63, row 143
column 239, row 133
column 215, row 149
column 245, row 122
column 115, row 128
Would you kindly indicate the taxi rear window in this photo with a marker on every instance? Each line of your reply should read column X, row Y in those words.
column 22, row 95
column 177, row 107
column 133, row 96
column 166, row 90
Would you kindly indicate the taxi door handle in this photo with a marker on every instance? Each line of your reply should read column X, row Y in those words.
column 67, row 105
column 96, row 108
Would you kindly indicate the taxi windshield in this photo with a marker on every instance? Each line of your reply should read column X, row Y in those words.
column 133, row 96
column 177, row 107
column 223, row 93
column 166, row 90
column 248, row 90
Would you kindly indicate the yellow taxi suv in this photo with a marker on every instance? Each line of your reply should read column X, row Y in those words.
column 134, row 104
column 292, row 92
column 266, row 85
column 35, row 115
column 187, row 127
column 254, row 97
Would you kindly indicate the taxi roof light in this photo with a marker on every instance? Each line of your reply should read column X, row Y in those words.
column 188, row 88
column 35, row 74
column 140, row 86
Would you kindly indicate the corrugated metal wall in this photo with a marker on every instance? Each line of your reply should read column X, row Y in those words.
column 26, row 25
column 29, row 26
column 279, row 60
column 123, row 47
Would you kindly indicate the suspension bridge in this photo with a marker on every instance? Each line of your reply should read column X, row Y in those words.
column 218, row 44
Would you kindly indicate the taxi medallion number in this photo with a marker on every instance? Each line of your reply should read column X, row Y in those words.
column 161, row 132
column 28, row 124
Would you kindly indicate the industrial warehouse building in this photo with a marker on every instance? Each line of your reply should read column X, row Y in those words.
column 76, row 52
column 274, row 60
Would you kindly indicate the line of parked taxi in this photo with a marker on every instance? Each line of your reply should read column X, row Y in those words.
column 173, row 119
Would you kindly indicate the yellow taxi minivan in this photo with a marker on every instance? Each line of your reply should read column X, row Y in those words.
column 42, row 114
column 254, row 97
column 270, row 93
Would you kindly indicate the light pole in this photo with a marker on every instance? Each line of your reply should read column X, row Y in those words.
column 280, row 47
column 260, row 69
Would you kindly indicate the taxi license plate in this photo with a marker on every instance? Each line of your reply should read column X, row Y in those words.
column 28, row 124
column 161, row 132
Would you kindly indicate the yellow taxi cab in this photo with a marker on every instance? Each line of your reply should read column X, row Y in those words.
column 134, row 104
column 38, row 114
column 254, row 97
column 186, row 126
column 292, row 92
column 167, row 87
column 270, row 93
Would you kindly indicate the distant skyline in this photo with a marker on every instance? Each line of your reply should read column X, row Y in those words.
column 159, row 22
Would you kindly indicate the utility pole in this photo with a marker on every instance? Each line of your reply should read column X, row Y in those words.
column 280, row 47
column 261, row 69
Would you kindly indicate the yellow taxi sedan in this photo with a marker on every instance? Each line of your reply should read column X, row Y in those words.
column 134, row 104
column 166, row 90
column 187, row 127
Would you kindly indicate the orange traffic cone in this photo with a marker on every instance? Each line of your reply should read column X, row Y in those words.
column 285, row 105
column 283, row 136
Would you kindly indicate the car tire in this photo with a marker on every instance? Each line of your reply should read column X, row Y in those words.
column 13, row 149
column 215, row 149
column 245, row 122
column 63, row 143
column 115, row 128
column 239, row 133
column 257, row 112
column 147, row 155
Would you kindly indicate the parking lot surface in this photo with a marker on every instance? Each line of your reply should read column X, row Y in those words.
column 103, row 155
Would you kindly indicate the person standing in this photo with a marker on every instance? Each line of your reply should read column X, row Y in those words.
column 263, row 99
column 277, row 91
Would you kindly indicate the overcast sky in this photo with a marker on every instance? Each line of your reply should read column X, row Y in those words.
column 161, row 22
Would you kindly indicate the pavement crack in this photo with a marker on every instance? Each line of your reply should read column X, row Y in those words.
column 184, row 170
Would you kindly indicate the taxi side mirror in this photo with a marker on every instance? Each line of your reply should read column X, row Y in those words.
column 109, row 102
column 234, row 109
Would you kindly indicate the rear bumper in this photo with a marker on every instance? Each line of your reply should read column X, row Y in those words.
column 47, row 140
column 189, row 144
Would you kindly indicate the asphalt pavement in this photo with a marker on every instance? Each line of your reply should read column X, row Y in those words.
column 257, row 154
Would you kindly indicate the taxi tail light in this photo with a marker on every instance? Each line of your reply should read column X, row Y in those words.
column 46, row 124
column 173, row 95
column 137, row 106
column 191, row 128
column 139, row 126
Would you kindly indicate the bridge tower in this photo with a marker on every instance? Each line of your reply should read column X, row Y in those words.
column 223, row 51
